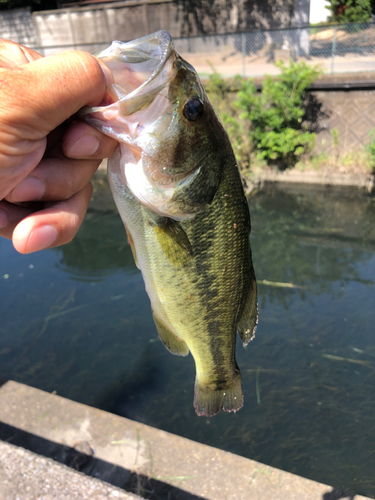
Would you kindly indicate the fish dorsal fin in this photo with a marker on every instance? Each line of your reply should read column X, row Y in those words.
column 170, row 340
column 172, row 239
column 249, row 317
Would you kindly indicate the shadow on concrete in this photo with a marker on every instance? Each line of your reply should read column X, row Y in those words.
column 337, row 495
column 85, row 461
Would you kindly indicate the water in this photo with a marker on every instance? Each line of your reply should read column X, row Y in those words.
column 77, row 320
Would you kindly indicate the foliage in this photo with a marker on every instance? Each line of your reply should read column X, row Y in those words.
column 204, row 16
column 335, row 138
column 221, row 95
column 349, row 11
column 277, row 128
column 370, row 148
column 24, row 4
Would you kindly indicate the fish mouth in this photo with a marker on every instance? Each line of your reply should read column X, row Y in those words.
column 145, row 57
column 141, row 69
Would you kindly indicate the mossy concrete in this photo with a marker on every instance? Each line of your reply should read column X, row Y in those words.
column 323, row 178
column 123, row 455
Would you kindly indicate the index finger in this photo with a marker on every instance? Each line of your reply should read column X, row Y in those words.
column 39, row 96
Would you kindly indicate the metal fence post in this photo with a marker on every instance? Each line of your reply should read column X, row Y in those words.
column 106, row 23
column 333, row 48
column 72, row 30
column 243, row 46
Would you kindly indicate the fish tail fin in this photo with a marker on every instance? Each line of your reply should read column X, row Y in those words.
column 208, row 401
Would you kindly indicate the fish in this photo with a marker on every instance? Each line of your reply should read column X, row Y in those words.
column 177, row 187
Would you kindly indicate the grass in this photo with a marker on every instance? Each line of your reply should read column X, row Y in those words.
column 354, row 161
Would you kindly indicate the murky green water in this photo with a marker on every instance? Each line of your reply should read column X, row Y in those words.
column 77, row 320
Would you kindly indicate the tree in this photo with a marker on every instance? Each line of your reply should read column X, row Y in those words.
column 350, row 11
column 23, row 4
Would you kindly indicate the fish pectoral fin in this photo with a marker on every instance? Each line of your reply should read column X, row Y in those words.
column 248, row 319
column 170, row 340
column 172, row 240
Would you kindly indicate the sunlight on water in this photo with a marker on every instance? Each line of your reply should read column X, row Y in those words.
column 77, row 320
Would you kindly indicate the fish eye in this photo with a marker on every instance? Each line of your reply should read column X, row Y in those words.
column 193, row 110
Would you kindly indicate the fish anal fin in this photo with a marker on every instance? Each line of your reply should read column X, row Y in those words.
column 248, row 319
column 174, row 241
column 209, row 401
column 170, row 340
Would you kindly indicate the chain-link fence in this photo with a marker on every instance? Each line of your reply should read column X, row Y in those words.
column 336, row 48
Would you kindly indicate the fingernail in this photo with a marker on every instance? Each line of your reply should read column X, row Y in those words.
column 40, row 238
column 3, row 219
column 87, row 145
column 30, row 189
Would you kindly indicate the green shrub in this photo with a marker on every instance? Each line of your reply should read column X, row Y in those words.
column 222, row 96
column 370, row 149
column 350, row 11
column 275, row 116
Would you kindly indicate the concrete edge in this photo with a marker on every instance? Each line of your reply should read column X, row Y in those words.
column 362, row 181
column 133, row 456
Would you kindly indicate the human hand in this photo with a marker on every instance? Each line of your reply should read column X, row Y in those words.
column 46, row 157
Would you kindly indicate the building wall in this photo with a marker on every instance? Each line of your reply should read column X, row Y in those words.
column 351, row 113
column 125, row 21
column 17, row 25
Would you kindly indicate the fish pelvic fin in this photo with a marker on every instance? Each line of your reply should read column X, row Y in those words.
column 209, row 401
column 248, row 318
column 170, row 340
column 132, row 246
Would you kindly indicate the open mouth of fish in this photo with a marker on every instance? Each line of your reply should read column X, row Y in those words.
column 142, row 70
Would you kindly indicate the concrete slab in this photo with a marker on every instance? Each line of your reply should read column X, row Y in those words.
column 136, row 457
column 25, row 475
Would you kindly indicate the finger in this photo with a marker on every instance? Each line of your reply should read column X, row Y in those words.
column 10, row 216
column 39, row 96
column 12, row 54
column 56, row 225
column 83, row 141
column 54, row 179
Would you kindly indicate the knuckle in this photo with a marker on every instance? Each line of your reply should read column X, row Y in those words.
column 87, row 66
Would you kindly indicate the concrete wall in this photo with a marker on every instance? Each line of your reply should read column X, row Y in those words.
column 104, row 23
column 351, row 113
column 129, row 20
column 17, row 25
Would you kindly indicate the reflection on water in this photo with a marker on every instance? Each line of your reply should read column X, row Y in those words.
column 77, row 320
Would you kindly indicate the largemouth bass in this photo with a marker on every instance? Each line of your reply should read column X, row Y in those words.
column 177, row 187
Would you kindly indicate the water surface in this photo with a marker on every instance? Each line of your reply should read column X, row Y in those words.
column 77, row 320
